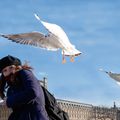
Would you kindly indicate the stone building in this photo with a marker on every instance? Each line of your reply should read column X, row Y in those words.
column 82, row 111
column 75, row 110
column 4, row 112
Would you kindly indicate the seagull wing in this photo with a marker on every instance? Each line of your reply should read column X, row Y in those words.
column 114, row 76
column 53, row 28
column 34, row 38
column 68, row 48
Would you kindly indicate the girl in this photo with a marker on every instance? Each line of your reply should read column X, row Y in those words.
column 24, row 94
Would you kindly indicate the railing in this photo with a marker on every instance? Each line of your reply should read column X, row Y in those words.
column 76, row 110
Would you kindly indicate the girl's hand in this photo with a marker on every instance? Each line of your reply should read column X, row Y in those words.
column 3, row 102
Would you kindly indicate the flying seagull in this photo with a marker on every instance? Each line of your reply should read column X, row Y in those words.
column 115, row 76
column 54, row 40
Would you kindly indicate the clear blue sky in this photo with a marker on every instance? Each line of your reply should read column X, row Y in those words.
column 93, row 26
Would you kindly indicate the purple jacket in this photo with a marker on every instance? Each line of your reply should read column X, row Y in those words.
column 26, row 98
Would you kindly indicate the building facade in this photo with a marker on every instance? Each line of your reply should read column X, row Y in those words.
column 82, row 111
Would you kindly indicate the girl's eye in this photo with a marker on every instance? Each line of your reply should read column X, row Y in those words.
column 4, row 70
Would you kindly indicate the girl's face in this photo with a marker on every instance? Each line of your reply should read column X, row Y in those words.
column 8, row 70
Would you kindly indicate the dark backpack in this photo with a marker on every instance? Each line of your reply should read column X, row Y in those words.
column 52, row 107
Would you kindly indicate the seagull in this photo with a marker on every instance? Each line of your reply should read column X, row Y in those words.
column 115, row 76
column 54, row 40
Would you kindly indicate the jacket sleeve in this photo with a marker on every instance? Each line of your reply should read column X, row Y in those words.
column 30, row 91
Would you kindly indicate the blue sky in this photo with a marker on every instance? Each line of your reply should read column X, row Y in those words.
column 92, row 26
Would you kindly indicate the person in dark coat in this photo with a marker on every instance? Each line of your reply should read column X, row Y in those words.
column 24, row 95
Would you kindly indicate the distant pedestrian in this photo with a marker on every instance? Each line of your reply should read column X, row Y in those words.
column 24, row 95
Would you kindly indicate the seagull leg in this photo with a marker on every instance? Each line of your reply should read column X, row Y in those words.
column 63, row 58
column 72, row 58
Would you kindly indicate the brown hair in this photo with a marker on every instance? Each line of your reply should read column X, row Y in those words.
column 3, row 81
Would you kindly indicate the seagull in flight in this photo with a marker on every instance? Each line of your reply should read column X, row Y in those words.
column 115, row 76
column 54, row 40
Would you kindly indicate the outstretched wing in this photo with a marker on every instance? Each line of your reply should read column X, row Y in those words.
column 54, row 29
column 34, row 38
column 115, row 76
column 68, row 48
